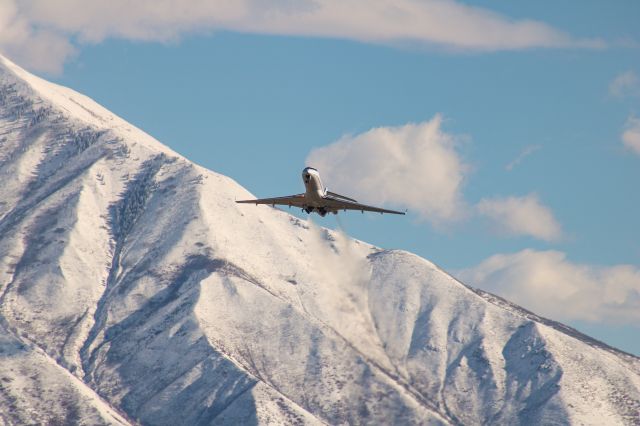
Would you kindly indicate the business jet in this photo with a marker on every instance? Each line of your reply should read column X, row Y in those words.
column 317, row 198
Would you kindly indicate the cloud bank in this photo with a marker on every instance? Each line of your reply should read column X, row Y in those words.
column 415, row 165
column 39, row 33
column 420, row 167
column 36, row 47
column 548, row 284
column 521, row 216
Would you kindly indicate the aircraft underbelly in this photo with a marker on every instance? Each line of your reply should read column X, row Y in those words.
column 315, row 199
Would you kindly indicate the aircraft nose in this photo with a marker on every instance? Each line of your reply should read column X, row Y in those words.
column 306, row 174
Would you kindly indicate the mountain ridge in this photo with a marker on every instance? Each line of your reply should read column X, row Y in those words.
column 136, row 272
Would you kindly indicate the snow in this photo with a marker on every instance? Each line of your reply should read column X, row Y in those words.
column 142, row 291
column 79, row 107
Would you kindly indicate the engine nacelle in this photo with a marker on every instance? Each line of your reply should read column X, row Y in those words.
column 321, row 211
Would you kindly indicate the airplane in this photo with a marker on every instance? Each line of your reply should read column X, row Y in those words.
column 317, row 198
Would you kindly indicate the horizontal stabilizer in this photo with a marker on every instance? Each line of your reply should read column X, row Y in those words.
column 341, row 197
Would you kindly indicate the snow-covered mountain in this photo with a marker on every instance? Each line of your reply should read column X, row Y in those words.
column 134, row 290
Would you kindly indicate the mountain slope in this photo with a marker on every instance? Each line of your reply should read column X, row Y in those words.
column 139, row 284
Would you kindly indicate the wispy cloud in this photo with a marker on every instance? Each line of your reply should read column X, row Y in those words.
column 550, row 285
column 625, row 85
column 415, row 165
column 521, row 216
column 38, row 33
column 527, row 151
column 631, row 134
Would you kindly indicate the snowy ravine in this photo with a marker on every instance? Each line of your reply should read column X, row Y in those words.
column 134, row 290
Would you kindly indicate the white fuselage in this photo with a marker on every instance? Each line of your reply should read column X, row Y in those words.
column 314, row 189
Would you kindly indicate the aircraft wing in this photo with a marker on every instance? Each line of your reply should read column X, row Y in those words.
column 296, row 200
column 340, row 202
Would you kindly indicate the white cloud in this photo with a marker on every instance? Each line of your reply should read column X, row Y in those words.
column 444, row 23
column 631, row 135
column 415, row 165
column 521, row 216
column 546, row 283
column 527, row 151
column 625, row 84
column 39, row 48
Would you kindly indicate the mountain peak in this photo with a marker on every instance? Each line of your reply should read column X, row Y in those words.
column 73, row 105
column 134, row 285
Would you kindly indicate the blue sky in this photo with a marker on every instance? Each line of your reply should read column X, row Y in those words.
column 531, row 123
